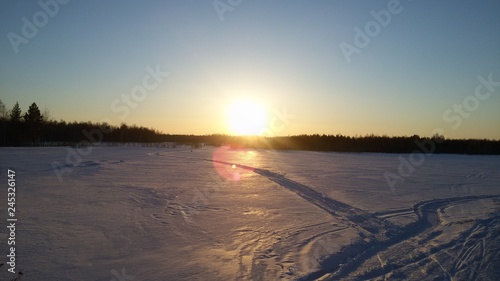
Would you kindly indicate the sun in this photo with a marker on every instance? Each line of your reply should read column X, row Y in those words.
column 247, row 117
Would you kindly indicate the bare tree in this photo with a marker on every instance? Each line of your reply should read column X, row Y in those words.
column 4, row 113
column 46, row 114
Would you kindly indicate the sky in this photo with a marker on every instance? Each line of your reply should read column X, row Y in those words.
column 327, row 67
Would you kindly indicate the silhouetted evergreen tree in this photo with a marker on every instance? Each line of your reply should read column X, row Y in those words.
column 15, row 114
column 14, row 128
column 33, row 120
column 33, row 115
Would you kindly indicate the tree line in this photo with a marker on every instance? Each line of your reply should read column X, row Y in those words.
column 36, row 129
column 373, row 143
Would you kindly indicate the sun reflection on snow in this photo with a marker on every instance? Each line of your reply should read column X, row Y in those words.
column 234, row 163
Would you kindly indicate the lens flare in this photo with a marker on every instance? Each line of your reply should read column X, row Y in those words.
column 230, row 162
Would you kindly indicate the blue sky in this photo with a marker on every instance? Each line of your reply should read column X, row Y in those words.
column 284, row 54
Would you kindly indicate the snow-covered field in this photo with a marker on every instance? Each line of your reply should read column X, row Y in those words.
column 227, row 214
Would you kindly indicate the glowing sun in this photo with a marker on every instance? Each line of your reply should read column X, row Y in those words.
column 247, row 117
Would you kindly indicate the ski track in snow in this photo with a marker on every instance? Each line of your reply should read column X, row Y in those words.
column 383, row 236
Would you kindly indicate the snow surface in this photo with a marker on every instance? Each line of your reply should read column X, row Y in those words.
column 129, row 213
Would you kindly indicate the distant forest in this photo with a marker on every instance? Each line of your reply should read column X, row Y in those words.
column 34, row 129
